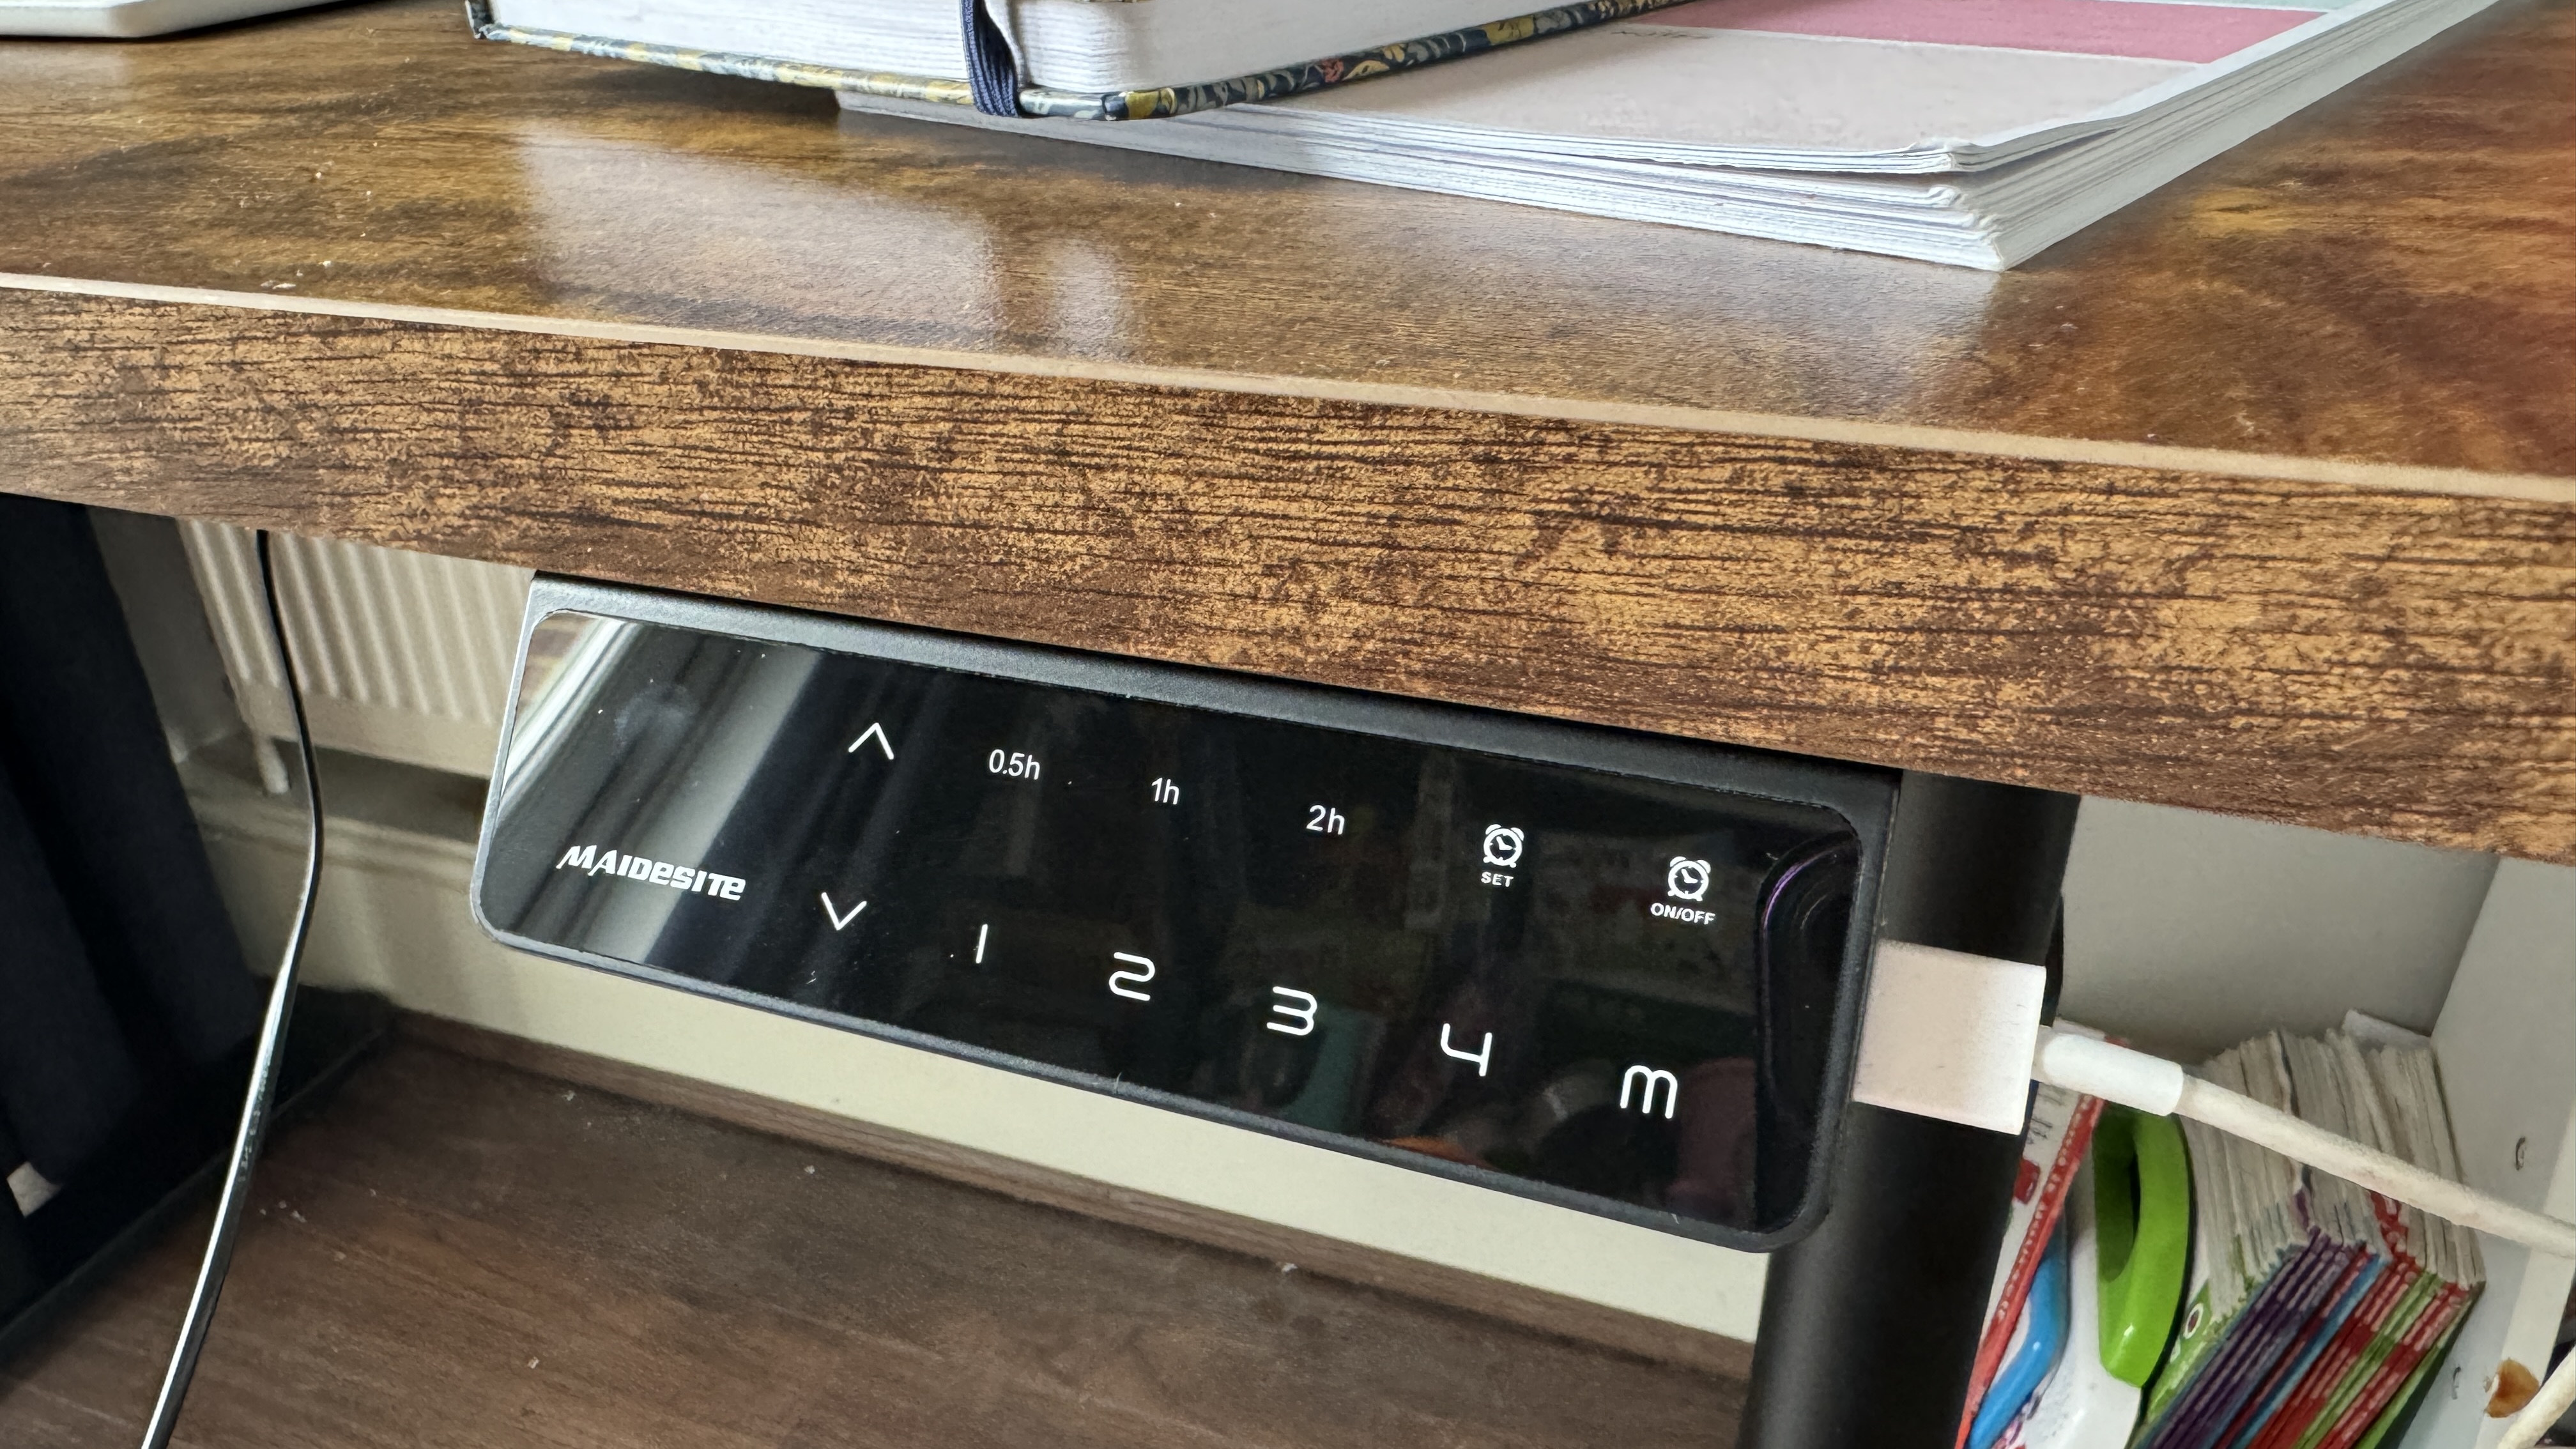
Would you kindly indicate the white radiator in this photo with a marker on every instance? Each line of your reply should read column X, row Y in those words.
column 404, row 656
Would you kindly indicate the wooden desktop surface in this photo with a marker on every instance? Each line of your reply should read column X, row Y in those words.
column 455, row 1255
column 2382, row 279
column 2259, row 496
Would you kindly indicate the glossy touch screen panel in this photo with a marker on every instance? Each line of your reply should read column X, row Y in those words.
column 1628, row 990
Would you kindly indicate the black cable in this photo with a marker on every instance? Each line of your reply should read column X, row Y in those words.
column 264, row 1063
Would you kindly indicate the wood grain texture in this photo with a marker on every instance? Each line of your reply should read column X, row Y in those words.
column 2383, row 278
column 2383, row 662
column 1627, row 1333
column 458, row 1256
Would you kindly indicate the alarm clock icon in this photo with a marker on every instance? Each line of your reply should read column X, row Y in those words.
column 1502, row 845
column 1686, row 879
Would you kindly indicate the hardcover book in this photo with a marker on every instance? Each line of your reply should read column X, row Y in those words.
column 1098, row 60
column 1971, row 132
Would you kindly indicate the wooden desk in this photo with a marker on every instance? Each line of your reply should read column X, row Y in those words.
column 2260, row 497
column 455, row 1255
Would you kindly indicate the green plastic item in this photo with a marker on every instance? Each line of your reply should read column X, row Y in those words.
column 2142, row 1211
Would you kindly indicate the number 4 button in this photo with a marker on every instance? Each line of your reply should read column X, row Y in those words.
column 1482, row 1056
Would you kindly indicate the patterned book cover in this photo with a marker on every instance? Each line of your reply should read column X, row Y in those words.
column 2376, row 1284
column 2267, row 1333
column 1268, row 85
column 2398, row 1297
column 2393, row 1422
column 2418, row 1352
column 2367, row 1363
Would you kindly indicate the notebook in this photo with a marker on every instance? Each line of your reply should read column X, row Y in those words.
column 1970, row 132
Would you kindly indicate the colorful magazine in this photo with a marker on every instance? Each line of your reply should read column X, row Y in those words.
column 2330, row 1334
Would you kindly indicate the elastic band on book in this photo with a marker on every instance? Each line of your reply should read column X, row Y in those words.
column 991, row 73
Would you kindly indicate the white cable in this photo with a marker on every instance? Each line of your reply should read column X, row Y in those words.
column 2153, row 1085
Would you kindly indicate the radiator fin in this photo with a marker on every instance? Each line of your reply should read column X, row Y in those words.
column 405, row 656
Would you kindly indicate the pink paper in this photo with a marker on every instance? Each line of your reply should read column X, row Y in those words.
column 2138, row 29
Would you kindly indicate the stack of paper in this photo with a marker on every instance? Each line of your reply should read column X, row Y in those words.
column 1972, row 132
column 2314, row 1306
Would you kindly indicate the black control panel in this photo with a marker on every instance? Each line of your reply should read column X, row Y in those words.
column 1615, row 972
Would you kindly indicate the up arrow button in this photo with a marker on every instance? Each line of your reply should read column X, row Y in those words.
column 874, row 732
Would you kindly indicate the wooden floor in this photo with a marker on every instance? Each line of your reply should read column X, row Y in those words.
column 453, row 1253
